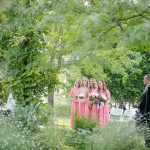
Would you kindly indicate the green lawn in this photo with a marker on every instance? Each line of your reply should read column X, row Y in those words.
column 62, row 110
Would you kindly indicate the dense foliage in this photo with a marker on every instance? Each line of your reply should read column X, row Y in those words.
column 27, row 70
column 101, row 39
column 20, row 131
column 109, row 40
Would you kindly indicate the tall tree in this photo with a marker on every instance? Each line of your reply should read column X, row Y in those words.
column 27, row 70
column 99, row 37
column 107, row 38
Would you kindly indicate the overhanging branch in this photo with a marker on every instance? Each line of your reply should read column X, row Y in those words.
column 135, row 16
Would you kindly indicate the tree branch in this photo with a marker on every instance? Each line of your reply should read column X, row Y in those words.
column 135, row 16
column 120, row 25
column 109, row 29
column 118, row 21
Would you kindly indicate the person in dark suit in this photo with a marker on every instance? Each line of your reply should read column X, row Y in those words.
column 144, row 108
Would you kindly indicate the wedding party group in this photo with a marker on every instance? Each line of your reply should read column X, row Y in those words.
column 90, row 100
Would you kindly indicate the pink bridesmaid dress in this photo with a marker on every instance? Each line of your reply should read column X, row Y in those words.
column 81, row 104
column 91, row 113
column 101, row 114
column 104, row 110
column 74, row 106
column 87, row 112
column 106, row 107
column 94, row 110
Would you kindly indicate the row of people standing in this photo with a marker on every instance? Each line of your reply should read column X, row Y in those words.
column 90, row 100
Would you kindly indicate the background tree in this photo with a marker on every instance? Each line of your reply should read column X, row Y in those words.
column 102, row 39
column 108, row 40
column 27, row 69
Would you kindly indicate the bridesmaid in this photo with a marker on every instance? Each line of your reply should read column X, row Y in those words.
column 106, row 106
column 83, row 97
column 73, row 95
column 88, row 104
column 94, row 93
column 91, row 109
column 103, row 112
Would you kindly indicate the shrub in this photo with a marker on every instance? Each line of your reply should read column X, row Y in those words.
column 50, row 138
column 83, row 123
column 28, row 118
column 11, row 137
column 78, row 139
column 117, row 136
column 19, row 130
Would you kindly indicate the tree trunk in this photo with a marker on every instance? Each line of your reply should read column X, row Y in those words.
column 51, row 99
column 51, row 107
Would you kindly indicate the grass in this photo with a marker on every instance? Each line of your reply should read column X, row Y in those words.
column 62, row 121
column 62, row 110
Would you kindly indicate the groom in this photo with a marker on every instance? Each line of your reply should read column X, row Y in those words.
column 144, row 107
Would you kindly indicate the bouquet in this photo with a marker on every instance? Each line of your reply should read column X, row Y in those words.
column 103, row 99
column 93, row 99
column 81, row 97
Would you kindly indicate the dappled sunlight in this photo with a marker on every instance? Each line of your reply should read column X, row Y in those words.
column 62, row 122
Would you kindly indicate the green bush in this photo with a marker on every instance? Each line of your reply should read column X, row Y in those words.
column 20, row 130
column 11, row 138
column 50, row 138
column 117, row 136
column 28, row 118
column 18, row 127
column 78, row 139
column 83, row 123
